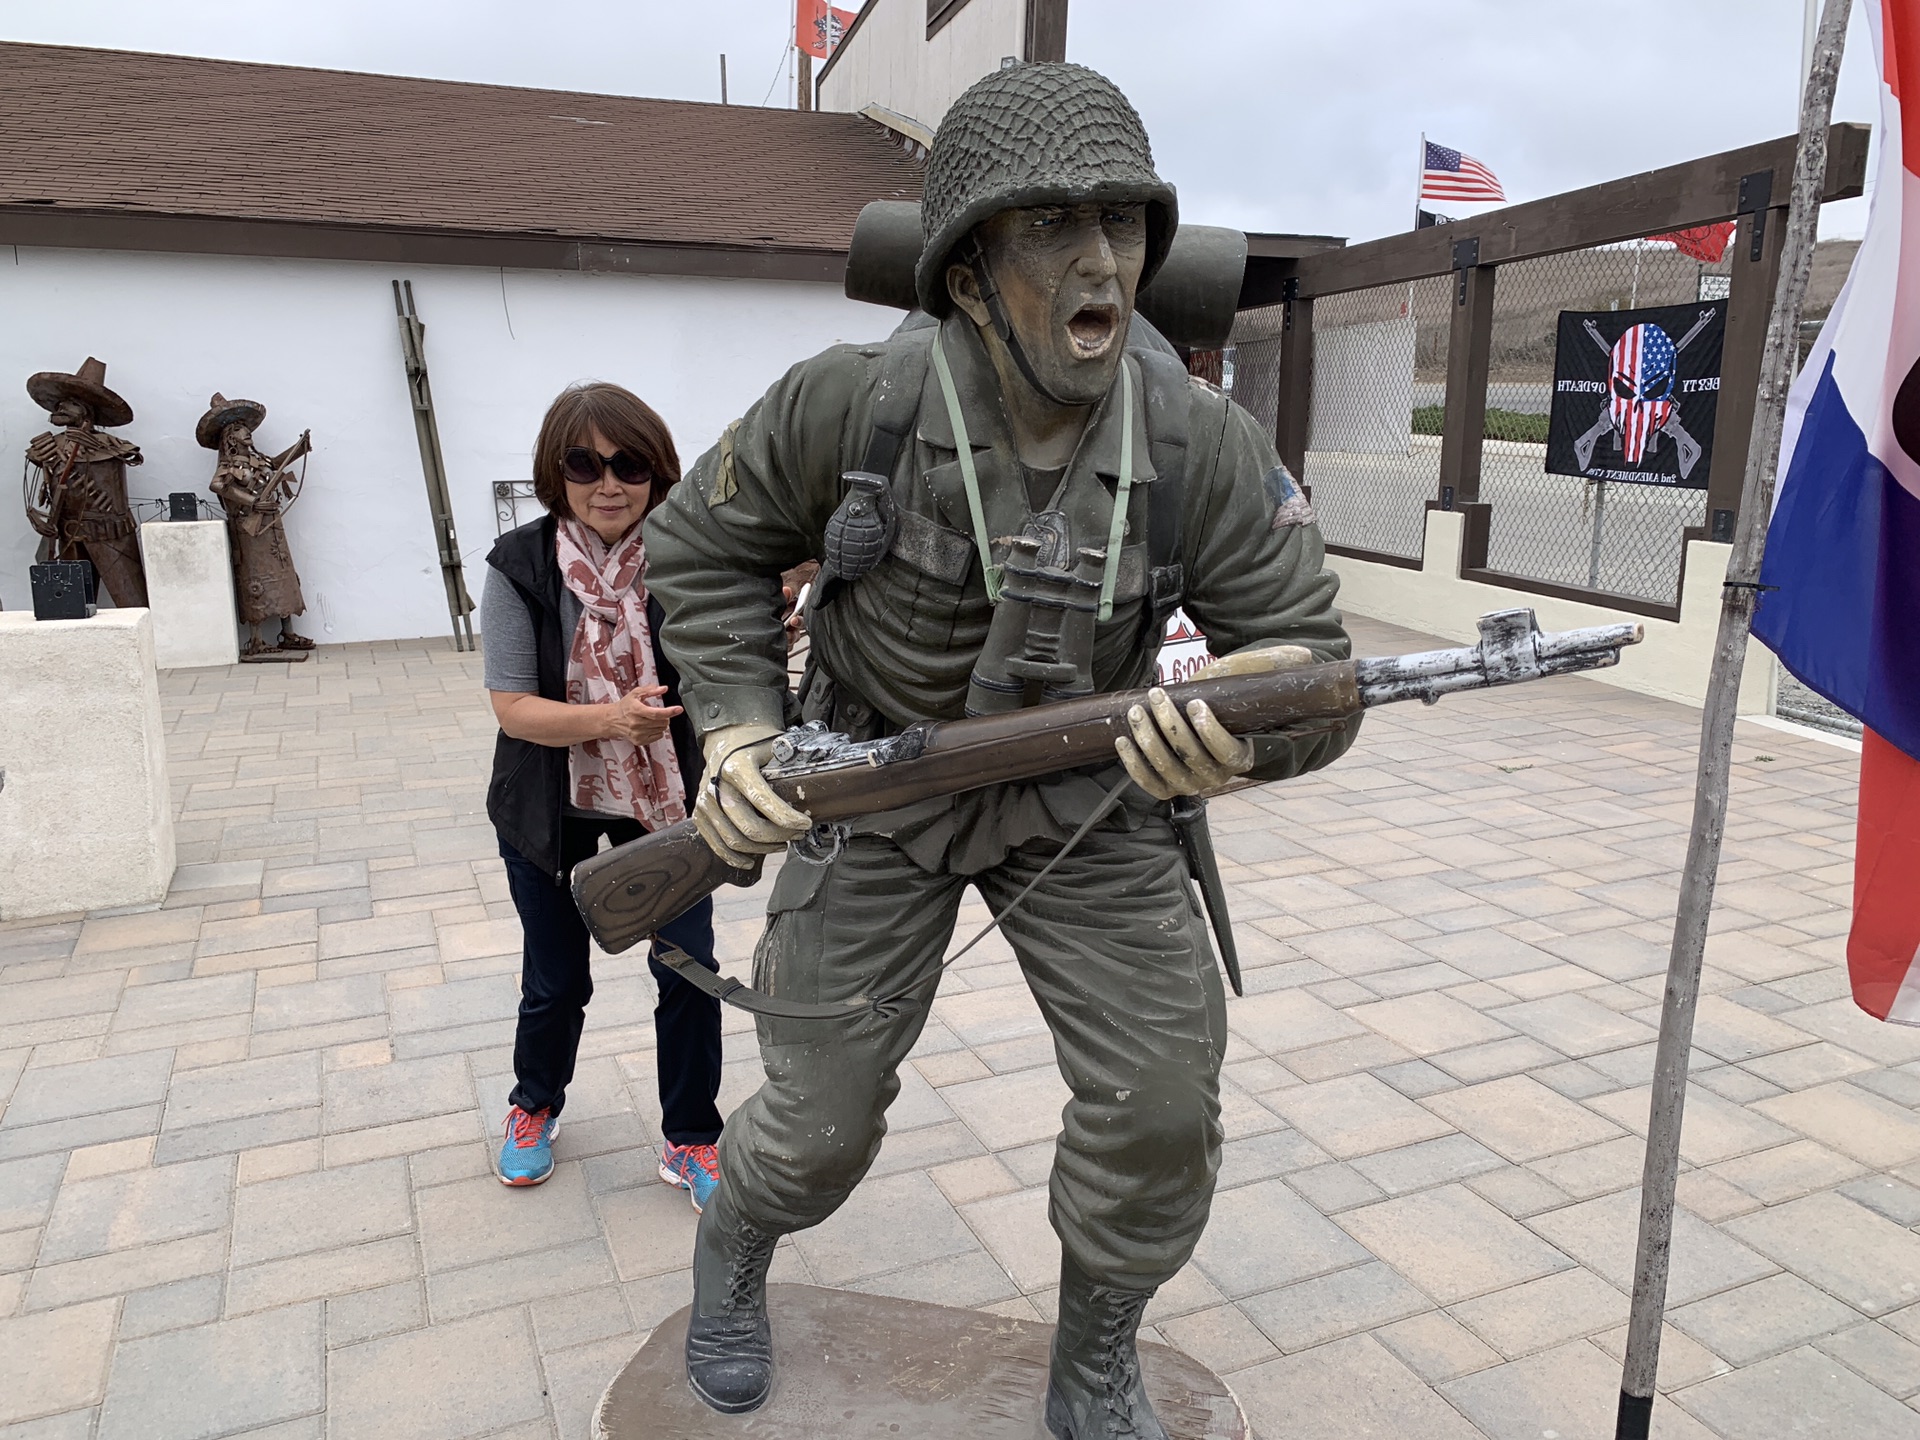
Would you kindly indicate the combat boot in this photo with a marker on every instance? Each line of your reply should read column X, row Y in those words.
column 729, row 1341
column 1094, row 1389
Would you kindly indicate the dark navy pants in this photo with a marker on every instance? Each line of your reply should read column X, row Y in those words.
column 556, row 982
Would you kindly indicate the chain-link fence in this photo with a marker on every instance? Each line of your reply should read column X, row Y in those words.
column 1379, row 387
column 1624, row 539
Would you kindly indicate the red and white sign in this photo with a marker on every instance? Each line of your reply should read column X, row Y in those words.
column 1183, row 651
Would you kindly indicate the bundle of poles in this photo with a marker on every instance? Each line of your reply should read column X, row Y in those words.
column 1655, row 1245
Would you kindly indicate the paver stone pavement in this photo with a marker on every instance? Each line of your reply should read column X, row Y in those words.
column 245, row 1139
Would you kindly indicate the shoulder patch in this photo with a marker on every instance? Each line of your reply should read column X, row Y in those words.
column 724, row 486
column 1290, row 505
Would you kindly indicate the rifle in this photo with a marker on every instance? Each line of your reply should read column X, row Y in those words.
column 629, row 891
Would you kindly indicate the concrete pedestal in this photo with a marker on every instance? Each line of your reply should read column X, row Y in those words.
column 190, row 590
column 851, row 1365
column 86, row 820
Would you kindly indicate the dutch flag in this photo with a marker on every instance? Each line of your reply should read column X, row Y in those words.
column 1844, row 545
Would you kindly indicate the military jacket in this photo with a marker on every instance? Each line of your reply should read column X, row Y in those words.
column 904, row 637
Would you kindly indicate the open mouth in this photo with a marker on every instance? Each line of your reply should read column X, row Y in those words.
column 1091, row 329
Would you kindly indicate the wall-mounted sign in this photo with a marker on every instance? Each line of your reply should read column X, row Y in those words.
column 1634, row 394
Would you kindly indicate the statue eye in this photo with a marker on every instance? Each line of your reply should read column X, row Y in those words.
column 1120, row 217
column 1049, row 219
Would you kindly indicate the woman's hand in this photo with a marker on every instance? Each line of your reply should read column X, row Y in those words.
column 632, row 717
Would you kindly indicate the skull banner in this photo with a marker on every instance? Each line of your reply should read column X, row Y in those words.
column 1634, row 394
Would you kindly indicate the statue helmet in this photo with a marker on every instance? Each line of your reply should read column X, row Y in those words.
column 1036, row 134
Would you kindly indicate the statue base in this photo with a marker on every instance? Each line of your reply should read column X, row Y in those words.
column 854, row 1365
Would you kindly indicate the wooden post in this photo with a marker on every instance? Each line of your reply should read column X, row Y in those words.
column 1294, row 413
column 1469, row 347
column 1749, row 308
column 803, row 87
column 1653, row 1254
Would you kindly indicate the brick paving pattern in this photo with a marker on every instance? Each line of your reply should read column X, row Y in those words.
column 245, row 1182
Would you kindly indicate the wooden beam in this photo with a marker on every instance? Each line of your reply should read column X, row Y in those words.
column 1046, row 30
column 1748, row 308
column 1294, row 413
column 1469, row 350
column 1699, row 192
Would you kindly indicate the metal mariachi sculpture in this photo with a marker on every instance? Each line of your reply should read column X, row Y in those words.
column 75, row 484
column 257, row 491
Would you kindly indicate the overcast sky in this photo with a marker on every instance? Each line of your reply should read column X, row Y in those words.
column 1293, row 115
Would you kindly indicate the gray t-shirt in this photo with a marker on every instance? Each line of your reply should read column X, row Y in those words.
column 506, row 634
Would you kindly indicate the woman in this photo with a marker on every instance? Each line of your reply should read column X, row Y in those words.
column 592, row 743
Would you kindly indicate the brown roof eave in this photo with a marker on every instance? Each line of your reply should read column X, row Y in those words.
column 62, row 227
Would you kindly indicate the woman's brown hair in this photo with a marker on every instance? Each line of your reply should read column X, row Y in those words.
column 628, row 423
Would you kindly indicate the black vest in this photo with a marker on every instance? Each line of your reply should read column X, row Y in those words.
column 528, row 793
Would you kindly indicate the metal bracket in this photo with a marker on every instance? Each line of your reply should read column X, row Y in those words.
column 1466, row 256
column 1289, row 292
column 1756, row 196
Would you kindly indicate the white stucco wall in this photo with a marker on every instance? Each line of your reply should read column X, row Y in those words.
column 317, row 343
column 1672, row 662
column 890, row 61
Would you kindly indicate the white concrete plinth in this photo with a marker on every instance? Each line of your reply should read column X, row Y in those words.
column 86, row 821
column 190, row 590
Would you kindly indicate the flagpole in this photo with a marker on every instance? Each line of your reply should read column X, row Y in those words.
column 1419, row 179
column 1634, row 1418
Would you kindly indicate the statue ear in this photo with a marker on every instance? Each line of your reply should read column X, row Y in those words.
column 964, row 287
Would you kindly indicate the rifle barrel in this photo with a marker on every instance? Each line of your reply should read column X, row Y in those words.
column 627, row 892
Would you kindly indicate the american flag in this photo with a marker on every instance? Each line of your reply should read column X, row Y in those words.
column 1449, row 175
column 1642, row 391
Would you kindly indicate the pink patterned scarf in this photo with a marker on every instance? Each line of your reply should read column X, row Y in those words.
column 613, row 654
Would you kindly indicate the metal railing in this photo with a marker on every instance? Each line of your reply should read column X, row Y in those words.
column 1415, row 372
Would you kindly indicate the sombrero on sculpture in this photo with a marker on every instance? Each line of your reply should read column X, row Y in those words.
column 88, row 385
column 222, row 412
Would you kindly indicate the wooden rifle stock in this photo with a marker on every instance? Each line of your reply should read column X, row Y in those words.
column 629, row 891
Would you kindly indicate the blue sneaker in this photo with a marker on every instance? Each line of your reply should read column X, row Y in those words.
column 527, row 1156
column 694, row 1168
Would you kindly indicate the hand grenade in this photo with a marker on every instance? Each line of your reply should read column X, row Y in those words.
column 861, row 530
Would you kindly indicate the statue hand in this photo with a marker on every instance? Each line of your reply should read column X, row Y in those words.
column 738, row 813
column 1169, row 754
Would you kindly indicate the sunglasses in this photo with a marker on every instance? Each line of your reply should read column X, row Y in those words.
column 585, row 467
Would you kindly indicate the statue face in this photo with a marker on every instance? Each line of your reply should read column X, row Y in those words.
column 1067, row 275
column 71, row 412
column 239, row 435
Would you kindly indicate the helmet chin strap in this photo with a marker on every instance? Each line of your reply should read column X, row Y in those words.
column 1003, row 327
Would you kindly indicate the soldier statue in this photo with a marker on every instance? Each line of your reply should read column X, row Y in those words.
column 76, row 480
column 1021, row 439
column 256, row 491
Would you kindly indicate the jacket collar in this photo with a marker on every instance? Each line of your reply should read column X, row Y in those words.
column 525, row 555
column 1002, row 481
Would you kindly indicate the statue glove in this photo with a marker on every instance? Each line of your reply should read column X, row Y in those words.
column 739, row 814
column 1169, row 754
column 1261, row 661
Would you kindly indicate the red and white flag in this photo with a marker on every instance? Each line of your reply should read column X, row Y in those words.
column 817, row 27
column 1449, row 175
column 1840, row 586
column 1700, row 242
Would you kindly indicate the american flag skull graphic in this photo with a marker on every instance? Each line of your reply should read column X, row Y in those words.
column 1640, row 395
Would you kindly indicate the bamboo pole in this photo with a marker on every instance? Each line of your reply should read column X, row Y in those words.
column 1635, row 1416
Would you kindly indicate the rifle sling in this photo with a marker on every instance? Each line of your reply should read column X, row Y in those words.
column 744, row 997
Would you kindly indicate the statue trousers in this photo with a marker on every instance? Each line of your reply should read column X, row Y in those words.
column 1113, row 948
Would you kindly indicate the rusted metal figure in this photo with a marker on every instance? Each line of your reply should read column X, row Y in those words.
column 257, row 491
column 75, row 485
